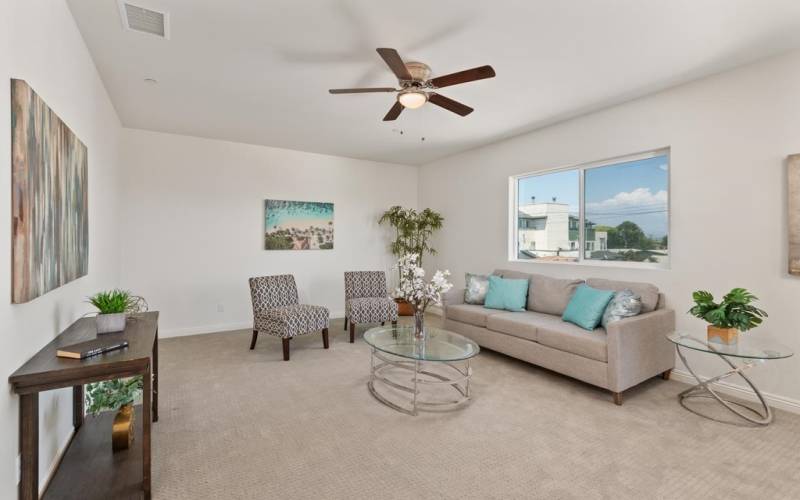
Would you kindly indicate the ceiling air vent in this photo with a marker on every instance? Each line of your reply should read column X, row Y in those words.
column 144, row 20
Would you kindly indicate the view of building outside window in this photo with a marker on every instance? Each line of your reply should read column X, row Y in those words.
column 548, row 216
column 625, row 207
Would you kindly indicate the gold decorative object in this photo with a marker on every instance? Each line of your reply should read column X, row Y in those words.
column 726, row 336
column 122, row 429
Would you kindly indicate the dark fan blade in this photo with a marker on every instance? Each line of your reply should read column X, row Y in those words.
column 468, row 75
column 449, row 104
column 392, row 58
column 394, row 112
column 361, row 91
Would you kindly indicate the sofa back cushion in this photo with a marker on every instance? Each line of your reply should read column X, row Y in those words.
column 545, row 294
column 648, row 292
column 550, row 295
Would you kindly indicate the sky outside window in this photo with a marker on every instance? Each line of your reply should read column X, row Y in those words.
column 635, row 191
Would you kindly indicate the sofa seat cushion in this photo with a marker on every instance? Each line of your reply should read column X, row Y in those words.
column 517, row 324
column 574, row 339
column 470, row 314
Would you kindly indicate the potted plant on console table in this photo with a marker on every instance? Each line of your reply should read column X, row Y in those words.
column 113, row 306
column 733, row 315
column 412, row 231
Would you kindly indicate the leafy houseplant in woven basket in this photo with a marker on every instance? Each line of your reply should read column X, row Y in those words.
column 734, row 314
column 113, row 307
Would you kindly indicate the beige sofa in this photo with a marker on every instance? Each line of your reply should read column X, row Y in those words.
column 630, row 352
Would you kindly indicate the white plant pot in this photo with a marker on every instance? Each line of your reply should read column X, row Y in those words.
column 109, row 323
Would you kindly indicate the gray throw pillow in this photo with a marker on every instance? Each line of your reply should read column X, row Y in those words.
column 626, row 303
column 477, row 286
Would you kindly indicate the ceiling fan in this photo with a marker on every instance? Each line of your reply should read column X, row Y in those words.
column 417, row 88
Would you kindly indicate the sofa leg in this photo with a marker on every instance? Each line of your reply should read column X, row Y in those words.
column 286, row 349
column 325, row 343
column 352, row 332
column 617, row 398
column 345, row 323
column 665, row 375
column 253, row 341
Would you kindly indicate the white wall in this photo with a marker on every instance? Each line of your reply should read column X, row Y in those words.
column 729, row 135
column 41, row 44
column 194, row 224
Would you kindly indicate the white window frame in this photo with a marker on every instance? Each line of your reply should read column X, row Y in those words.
column 513, row 224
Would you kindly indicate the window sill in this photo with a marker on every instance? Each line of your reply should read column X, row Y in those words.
column 649, row 266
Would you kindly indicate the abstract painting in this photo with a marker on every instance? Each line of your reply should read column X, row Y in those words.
column 793, row 175
column 298, row 225
column 50, row 228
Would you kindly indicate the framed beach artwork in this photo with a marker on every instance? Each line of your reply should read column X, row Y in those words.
column 298, row 225
column 49, row 206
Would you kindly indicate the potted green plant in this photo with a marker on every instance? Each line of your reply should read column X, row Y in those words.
column 726, row 319
column 113, row 307
column 116, row 395
column 412, row 233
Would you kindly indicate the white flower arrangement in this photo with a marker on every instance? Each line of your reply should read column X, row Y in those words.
column 413, row 287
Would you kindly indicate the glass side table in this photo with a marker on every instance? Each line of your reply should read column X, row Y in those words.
column 440, row 358
column 749, row 350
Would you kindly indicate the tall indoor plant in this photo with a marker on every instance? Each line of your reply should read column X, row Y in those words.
column 734, row 314
column 412, row 236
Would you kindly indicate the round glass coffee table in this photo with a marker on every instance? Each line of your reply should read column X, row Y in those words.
column 750, row 349
column 402, row 364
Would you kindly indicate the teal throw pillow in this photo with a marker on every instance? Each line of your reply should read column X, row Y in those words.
column 587, row 306
column 507, row 294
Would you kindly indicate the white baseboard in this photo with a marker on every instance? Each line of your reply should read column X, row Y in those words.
column 55, row 462
column 198, row 330
column 221, row 327
column 774, row 400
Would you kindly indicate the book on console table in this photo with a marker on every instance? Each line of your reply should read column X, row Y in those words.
column 83, row 350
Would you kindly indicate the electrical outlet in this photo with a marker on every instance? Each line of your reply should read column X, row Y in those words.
column 18, row 468
column 220, row 308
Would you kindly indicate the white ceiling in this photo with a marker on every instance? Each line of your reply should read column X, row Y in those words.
column 257, row 71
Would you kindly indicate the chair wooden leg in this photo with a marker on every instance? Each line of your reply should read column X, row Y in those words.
column 253, row 341
column 383, row 323
column 394, row 324
column 286, row 349
column 325, row 343
column 617, row 398
column 345, row 323
column 665, row 375
column 352, row 332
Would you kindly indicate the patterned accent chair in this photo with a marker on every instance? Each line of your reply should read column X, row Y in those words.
column 366, row 300
column 276, row 311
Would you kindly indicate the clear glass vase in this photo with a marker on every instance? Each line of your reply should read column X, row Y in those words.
column 419, row 323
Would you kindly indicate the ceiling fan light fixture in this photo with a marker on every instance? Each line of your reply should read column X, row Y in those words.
column 412, row 99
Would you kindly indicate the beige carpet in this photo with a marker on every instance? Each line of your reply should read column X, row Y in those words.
column 237, row 423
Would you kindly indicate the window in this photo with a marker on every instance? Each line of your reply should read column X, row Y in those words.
column 622, row 206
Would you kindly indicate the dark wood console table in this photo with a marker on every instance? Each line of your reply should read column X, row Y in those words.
column 88, row 469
